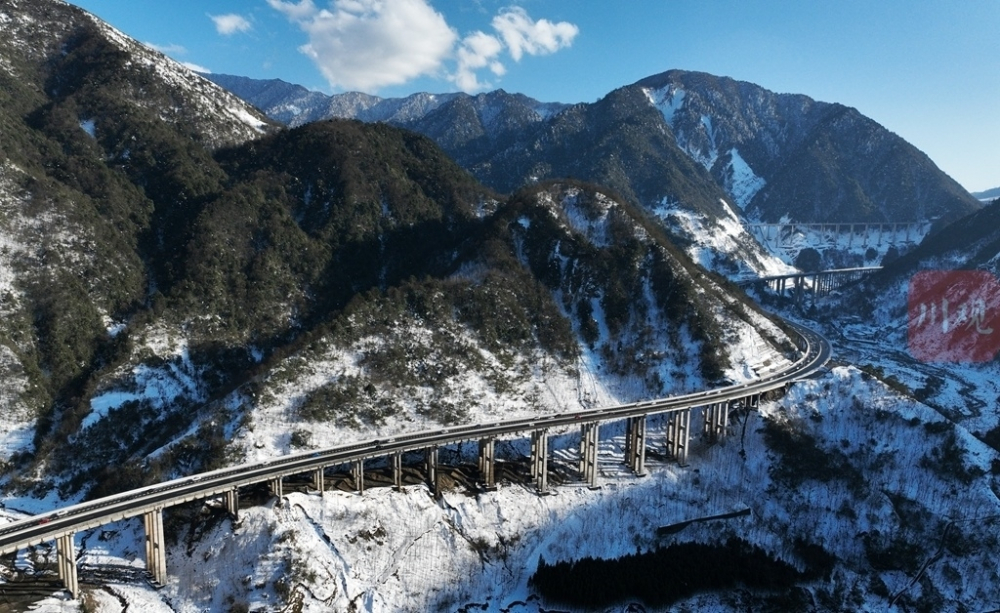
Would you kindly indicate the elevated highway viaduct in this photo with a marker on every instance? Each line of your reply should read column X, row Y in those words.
column 148, row 502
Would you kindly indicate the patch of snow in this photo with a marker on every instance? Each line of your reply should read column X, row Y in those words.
column 712, row 238
column 740, row 180
column 668, row 100
column 89, row 127
column 156, row 385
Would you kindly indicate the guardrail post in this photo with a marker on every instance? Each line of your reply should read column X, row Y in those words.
column 431, row 460
column 359, row 475
column 589, row 437
column 319, row 480
column 487, row 462
column 232, row 501
column 156, row 553
column 635, row 437
column 397, row 470
column 539, row 459
column 66, row 561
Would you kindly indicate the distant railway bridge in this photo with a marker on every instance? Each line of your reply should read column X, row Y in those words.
column 857, row 234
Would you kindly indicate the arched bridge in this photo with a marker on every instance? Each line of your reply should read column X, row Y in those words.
column 857, row 234
column 61, row 525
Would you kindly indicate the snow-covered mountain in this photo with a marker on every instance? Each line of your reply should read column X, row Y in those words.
column 183, row 286
column 701, row 152
column 174, row 270
column 788, row 156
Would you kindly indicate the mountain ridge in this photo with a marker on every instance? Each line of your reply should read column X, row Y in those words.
column 680, row 143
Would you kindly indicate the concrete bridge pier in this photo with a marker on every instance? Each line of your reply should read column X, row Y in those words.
column 635, row 445
column 540, row 459
column 487, row 462
column 276, row 486
column 66, row 560
column 358, row 473
column 431, row 463
column 156, row 552
column 397, row 470
column 716, row 421
column 319, row 480
column 589, row 438
column 232, row 502
column 679, row 434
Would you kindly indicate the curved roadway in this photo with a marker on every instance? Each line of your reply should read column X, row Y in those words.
column 68, row 520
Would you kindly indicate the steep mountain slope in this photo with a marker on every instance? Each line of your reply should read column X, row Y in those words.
column 679, row 144
column 102, row 140
column 166, row 281
column 783, row 155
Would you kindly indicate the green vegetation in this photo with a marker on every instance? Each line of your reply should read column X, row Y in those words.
column 257, row 253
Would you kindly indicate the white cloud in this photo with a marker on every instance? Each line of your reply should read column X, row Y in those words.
column 170, row 49
column 522, row 35
column 230, row 24
column 196, row 68
column 301, row 11
column 477, row 51
column 369, row 44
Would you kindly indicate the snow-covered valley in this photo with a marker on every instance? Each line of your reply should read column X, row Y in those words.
column 900, row 492
column 904, row 501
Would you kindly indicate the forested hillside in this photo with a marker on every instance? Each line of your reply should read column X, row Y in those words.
column 171, row 271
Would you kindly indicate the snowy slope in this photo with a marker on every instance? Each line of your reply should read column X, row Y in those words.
column 403, row 551
column 204, row 102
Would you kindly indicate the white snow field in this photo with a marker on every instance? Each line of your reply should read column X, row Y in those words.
column 403, row 551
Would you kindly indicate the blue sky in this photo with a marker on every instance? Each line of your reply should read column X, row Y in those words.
column 929, row 70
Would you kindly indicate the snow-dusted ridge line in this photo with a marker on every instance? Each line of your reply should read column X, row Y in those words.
column 69, row 520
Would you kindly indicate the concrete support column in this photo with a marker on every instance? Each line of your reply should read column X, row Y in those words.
column 628, row 439
column 66, row 560
column 276, row 486
column 319, row 480
column 232, row 502
column 431, row 461
column 589, row 437
column 716, row 421
column 487, row 462
column 358, row 472
column 156, row 552
column 397, row 469
column 679, row 434
column 635, row 435
column 539, row 459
